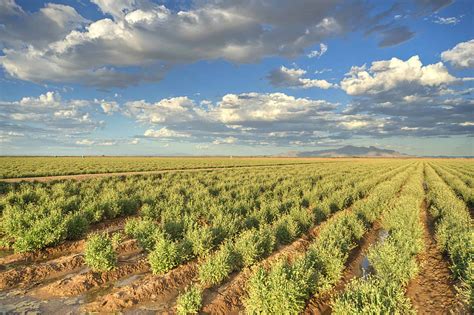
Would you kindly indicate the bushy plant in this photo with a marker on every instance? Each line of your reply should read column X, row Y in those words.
column 190, row 301
column 219, row 266
column 99, row 253
column 370, row 296
column 202, row 240
column 144, row 230
column 282, row 290
column 76, row 225
column 165, row 256
column 252, row 245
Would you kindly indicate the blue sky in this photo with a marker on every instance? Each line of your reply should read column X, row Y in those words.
column 243, row 78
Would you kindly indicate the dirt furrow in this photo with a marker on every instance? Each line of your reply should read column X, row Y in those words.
column 146, row 289
column 320, row 304
column 432, row 291
column 23, row 276
column 83, row 282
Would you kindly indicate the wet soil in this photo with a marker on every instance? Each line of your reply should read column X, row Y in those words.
column 432, row 291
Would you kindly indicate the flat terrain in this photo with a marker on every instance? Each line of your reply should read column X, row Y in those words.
column 14, row 167
column 223, row 236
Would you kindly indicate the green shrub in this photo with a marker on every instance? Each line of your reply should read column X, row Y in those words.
column 218, row 267
column 99, row 253
column 253, row 245
column 370, row 296
column 77, row 225
column 202, row 240
column 189, row 302
column 281, row 290
column 144, row 230
column 165, row 256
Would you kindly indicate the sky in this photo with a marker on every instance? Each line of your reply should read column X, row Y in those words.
column 151, row 77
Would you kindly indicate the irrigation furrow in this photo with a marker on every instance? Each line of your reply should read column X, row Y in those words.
column 27, row 275
column 432, row 291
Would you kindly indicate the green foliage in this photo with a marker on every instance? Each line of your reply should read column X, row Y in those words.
column 167, row 255
column 144, row 230
column 215, row 270
column 282, row 290
column 253, row 245
column 373, row 297
column 99, row 253
column 202, row 240
column 189, row 302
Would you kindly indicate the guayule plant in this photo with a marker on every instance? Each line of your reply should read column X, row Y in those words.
column 190, row 301
column 99, row 253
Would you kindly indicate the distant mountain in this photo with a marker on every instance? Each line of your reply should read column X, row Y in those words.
column 347, row 151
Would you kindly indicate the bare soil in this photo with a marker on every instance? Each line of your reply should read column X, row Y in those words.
column 432, row 291
column 148, row 288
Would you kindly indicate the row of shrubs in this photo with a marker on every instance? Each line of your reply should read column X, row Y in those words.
column 36, row 215
column 392, row 260
column 459, row 187
column 286, row 286
column 453, row 232
column 169, row 249
column 468, row 179
column 253, row 245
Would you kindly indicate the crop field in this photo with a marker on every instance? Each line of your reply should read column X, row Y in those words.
column 16, row 167
column 242, row 235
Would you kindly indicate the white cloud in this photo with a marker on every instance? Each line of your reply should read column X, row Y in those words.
column 293, row 77
column 446, row 20
column 121, row 50
column 202, row 146
column 228, row 140
column 233, row 108
column 323, row 48
column 109, row 107
column 461, row 56
column 85, row 142
column 167, row 110
column 165, row 133
column 391, row 74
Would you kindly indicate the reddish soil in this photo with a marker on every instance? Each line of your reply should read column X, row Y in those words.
column 83, row 282
column 432, row 291
column 320, row 304
column 146, row 289
column 25, row 275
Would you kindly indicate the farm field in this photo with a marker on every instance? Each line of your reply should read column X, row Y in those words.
column 18, row 167
column 278, row 236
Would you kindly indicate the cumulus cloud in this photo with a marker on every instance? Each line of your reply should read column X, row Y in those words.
column 388, row 75
column 48, row 115
column 461, row 55
column 140, row 40
column 293, row 77
column 50, row 23
column 323, row 48
column 109, row 107
column 165, row 133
